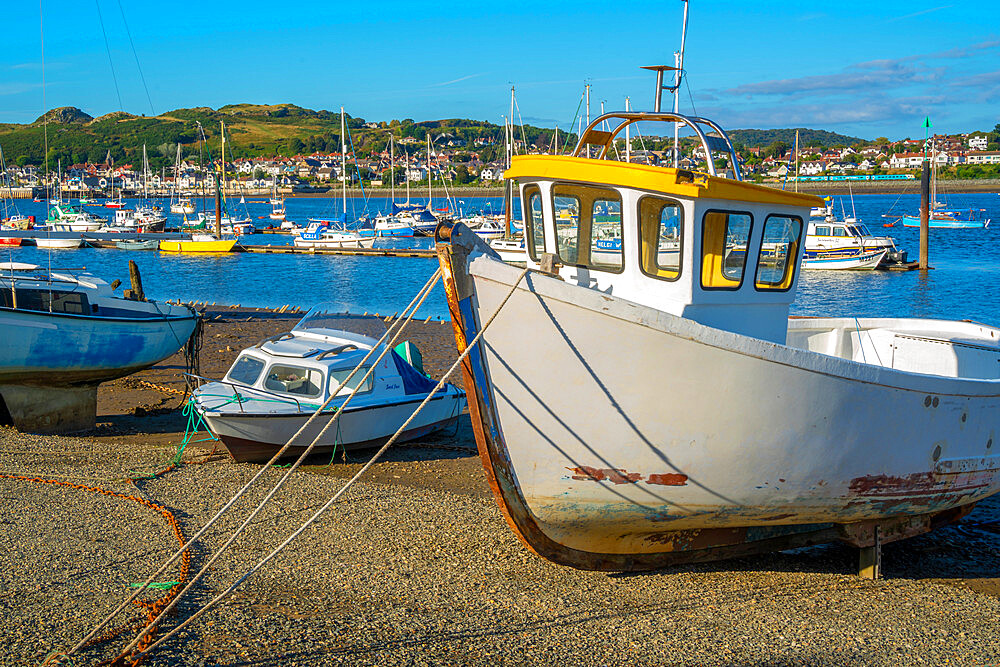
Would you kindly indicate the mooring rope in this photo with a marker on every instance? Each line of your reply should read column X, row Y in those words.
column 288, row 473
column 144, row 652
column 414, row 304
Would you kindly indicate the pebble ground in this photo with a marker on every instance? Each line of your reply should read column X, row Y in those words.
column 408, row 572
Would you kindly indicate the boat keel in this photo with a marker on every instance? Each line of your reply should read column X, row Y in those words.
column 50, row 410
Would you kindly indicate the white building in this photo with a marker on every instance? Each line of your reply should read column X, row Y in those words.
column 983, row 157
column 978, row 142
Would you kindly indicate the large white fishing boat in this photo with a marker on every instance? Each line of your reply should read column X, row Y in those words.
column 274, row 387
column 639, row 408
column 64, row 334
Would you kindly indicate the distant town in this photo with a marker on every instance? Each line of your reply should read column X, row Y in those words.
column 467, row 154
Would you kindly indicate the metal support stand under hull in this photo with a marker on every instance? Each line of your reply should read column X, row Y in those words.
column 51, row 410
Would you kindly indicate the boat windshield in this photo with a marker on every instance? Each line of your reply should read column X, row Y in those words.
column 246, row 370
column 335, row 316
column 864, row 230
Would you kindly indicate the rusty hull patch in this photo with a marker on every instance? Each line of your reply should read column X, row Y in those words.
column 619, row 476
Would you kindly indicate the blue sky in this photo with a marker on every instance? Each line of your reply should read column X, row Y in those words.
column 862, row 68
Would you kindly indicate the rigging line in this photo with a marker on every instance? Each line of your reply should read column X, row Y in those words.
column 107, row 47
column 375, row 457
column 305, row 453
column 136, row 55
column 690, row 96
column 45, row 111
column 573, row 122
column 414, row 304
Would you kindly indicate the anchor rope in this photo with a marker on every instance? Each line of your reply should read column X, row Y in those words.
column 183, row 551
column 375, row 457
column 302, row 457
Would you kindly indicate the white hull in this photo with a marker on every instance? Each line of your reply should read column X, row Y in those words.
column 58, row 244
column 182, row 209
column 336, row 242
column 254, row 437
column 759, row 436
column 859, row 262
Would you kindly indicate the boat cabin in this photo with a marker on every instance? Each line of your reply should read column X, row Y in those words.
column 716, row 250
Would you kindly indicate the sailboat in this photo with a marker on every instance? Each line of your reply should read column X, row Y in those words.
column 149, row 216
column 206, row 242
column 278, row 211
column 11, row 217
column 325, row 233
column 941, row 217
column 179, row 205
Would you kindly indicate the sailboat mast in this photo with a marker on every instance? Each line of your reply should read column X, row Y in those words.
column 343, row 162
column 392, row 172
column 406, row 168
column 145, row 174
column 222, row 127
column 678, row 75
column 796, row 160
column 430, row 195
column 628, row 136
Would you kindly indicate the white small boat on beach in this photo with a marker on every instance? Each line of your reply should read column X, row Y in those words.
column 636, row 408
column 274, row 387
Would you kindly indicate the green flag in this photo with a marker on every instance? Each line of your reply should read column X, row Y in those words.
column 927, row 122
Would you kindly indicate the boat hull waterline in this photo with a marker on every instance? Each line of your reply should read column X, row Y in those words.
column 253, row 437
column 735, row 461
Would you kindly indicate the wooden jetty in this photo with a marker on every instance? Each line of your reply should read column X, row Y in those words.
column 367, row 252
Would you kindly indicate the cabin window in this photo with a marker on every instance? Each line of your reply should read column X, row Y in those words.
column 246, row 370
column 725, row 237
column 839, row 231
column 588, row 226
column 47, row 301
column 660, row 234
column 294, row 380
column 822, row 231
column 535, row 230
column 778, row 251
column 336, row 377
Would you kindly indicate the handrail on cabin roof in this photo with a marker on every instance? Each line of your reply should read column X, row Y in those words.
column 594, row 137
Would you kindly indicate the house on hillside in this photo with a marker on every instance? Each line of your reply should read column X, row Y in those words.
column 978, row 142
column 983, row 157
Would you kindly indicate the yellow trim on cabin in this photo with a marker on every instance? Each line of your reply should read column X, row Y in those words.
column 713, row 252
column 666, row 180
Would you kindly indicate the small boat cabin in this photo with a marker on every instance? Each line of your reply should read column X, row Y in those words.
column 716, row 250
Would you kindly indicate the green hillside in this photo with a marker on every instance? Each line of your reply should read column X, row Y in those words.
column 807, row 137
column 257, row 130
column 253, row 130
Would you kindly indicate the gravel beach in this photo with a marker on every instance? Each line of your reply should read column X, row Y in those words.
column 415, row 565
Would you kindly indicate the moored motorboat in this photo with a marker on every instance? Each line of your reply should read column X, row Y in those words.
column 57, row 243
column 198, row 243
column 714, row 426
column 64, row 334
column 274, row 387
column 846, row 260
column 138, row 244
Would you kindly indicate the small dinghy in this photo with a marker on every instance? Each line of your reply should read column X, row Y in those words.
column 274, row 387
column 138, row 244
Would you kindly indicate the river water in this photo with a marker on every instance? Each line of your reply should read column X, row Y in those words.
column 962, row 285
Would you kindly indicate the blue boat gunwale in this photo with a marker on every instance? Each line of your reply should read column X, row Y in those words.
column 158, row 317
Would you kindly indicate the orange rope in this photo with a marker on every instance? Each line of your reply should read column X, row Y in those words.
column 152, row 608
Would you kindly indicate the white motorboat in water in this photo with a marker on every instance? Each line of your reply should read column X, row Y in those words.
column 64, row 334
column 833, row 244
column 57, row 243
column 274, row 387
column 639, row 409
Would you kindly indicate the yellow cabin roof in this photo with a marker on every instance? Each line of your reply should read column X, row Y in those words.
column 666, row 180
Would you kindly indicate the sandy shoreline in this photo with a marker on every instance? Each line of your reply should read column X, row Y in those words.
column 417, row 566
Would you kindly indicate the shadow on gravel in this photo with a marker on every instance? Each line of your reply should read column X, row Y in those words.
column 966, row 553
